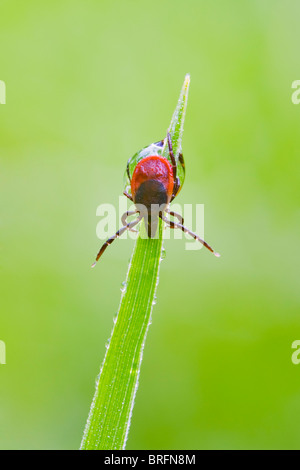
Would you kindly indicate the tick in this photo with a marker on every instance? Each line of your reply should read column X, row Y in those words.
column 154, row 183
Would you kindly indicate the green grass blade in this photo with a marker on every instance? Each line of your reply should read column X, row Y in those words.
column 177, row 122
column 109, row 418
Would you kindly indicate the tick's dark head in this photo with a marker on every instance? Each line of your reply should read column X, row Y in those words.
column 151, row 200
column 151, row 193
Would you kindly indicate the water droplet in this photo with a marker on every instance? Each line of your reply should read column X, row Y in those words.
column 123, row 286
column 163, row 254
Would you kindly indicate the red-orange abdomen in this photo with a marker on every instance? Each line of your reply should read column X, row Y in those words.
column 155, row 168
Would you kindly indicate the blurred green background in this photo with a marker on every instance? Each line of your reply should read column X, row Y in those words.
column 88, row 84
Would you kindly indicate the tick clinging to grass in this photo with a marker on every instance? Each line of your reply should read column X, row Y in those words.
column 153, row 181
column 153, row 178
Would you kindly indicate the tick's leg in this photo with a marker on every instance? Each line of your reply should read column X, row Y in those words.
column 127, row 169
column 171, row 154
column 116, row 235
column 127, row 214
column 177, row 183
column 124, row 217
column 186, row 230
column 174, row 214
column 175, row 188
column 174, row 167
column 128, row 195
column 181, row 160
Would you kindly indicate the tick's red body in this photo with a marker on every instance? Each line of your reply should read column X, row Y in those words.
column 153, row 169
column 154, row 184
